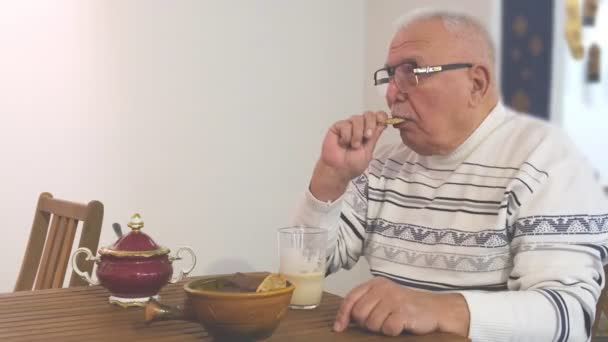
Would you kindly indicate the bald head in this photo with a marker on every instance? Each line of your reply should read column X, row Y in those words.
column 467, row 34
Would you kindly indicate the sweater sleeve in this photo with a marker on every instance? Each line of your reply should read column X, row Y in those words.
column 558, row 243
column 344, row 219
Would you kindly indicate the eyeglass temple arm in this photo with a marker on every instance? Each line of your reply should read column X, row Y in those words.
column 439, row 68
column 456, row 66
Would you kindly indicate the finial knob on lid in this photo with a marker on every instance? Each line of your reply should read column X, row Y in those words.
column 136, row 223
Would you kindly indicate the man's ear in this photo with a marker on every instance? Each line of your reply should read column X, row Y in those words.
column 480, row 77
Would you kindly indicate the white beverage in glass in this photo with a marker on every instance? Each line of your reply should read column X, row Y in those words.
column 309, row 288
column 302, row 261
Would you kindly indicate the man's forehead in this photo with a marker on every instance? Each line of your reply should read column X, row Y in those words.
column 418, row 38
column 405, row 43
column 407, row 50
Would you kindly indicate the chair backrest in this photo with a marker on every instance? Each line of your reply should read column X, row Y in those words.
column 602, row 302
column 602, row 307
column 51, row 239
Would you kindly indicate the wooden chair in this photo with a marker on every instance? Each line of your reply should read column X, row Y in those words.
column 602, row 305
column 44, row 264
column 601, row 308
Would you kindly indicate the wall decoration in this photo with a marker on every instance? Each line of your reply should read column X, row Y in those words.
column 574, row 29
column 589, row 12
column 527, row 39
column 593, row 64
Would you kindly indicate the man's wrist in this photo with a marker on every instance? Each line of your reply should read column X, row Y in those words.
column 326, row 184
column 454, row 315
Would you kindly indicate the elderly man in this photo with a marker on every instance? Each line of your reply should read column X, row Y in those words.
column 483, row 222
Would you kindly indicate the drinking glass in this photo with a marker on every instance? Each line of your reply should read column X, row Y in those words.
column 302, row 252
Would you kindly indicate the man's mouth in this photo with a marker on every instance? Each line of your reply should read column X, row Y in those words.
column 401, row 125
column 406, row 117
column 402, row 112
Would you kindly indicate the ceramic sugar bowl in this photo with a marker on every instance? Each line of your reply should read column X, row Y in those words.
column 134, row 268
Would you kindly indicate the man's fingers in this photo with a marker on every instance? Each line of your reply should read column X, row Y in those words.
column 394, row 325
column 360, row 130
column 381, row 116
column 343, row 315
column 373, row 140
column 363, row 308
column 358, row 124
column 371, row 120
column 343, row 130
column 377, row 316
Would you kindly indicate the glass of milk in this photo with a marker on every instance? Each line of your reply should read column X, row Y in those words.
column 302, row 252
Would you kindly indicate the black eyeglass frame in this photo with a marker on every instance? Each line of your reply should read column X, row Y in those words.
column 426, row 70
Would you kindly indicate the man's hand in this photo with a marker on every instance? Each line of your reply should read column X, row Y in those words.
column 382, row 305
column 347, row 151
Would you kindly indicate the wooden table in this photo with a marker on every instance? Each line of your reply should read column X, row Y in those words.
column 84, row 314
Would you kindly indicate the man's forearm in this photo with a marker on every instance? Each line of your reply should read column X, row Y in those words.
column 326, row 185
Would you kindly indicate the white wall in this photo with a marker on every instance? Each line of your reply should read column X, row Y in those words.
column 204, row 116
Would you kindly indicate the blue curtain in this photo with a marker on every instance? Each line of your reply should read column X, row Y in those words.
column 527, row 35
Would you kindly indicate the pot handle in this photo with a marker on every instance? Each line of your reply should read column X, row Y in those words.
column 84, row 275
column 184, row 272
column 155, row 311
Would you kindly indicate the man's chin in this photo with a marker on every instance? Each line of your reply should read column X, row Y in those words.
column 407, row 141
column 406, row 138
column 414, row 144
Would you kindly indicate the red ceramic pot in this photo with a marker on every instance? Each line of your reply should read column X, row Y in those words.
column 134, row 268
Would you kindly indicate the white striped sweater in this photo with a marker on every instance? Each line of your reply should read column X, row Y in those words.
column 514, row 219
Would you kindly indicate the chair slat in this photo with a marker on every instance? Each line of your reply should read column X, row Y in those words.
column 46, row 254
column 64, row 253
column 55, row 249
column 33, row 250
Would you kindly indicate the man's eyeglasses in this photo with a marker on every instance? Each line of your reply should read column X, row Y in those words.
column 406, row 74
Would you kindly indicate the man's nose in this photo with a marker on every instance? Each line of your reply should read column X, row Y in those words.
column 393, row 94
